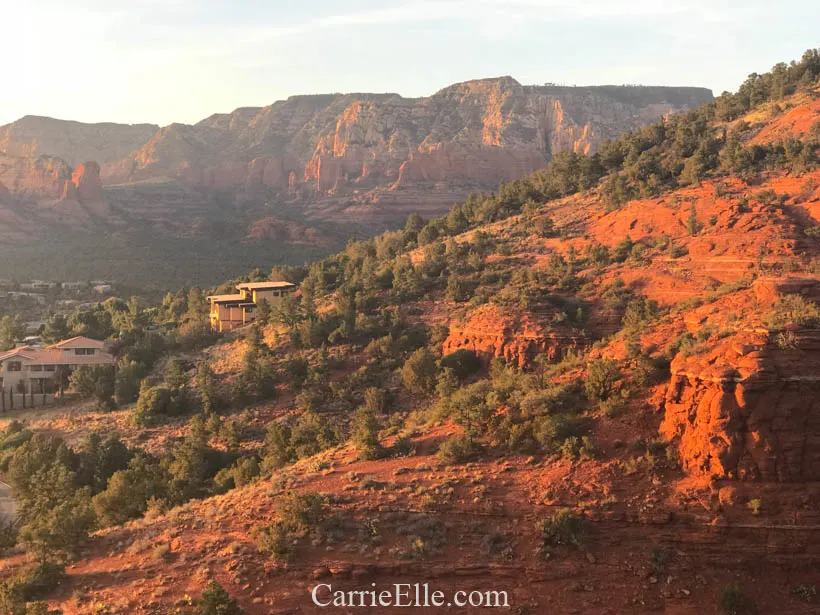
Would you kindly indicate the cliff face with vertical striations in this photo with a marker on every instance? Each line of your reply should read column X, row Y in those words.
column 467, row 136
column 308, row 171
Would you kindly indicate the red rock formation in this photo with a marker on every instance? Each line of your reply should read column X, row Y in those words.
column 748, row 409
column 469, row 135
column 41, row 178
column 509, row 334
column 86, row 179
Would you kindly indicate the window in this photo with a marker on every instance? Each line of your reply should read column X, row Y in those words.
column 35, row 368
column 84, row 351
column 276, row 293
column 14, row 366
column 49, row 368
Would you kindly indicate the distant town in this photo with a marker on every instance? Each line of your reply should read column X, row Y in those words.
column 36, row 300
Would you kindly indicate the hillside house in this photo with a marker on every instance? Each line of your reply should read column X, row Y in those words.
column 32, row 369
column 232, row 311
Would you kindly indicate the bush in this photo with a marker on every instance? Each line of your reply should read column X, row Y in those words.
column 733, row 600
column 601, row 378
column 8, row 535
column 793, row 310
column 154, row 402
column 364, row 434
column 458, row 449
column 129, row 491
column 97, row 382
column 216, row 601
column 64, row 529
column 562, row 528
column 551, row 431
column 375, row 400
column 420, row 371
column 277, row 451
column 276, row 539
column 304, row 513
column 463, row 362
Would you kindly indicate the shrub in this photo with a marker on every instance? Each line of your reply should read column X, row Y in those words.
column 601, row 378
column 806, row 593
column 562, row 528
column 97, row 382
column 129, row 491
column 458, row 289
column 420, row 371
column 458, row 449
column 733, row 600
column 550, row 431
column 216, row 601
column 304, row 513
column 793, row 310
column 276, row 539
column 8, row 535
column 375, row 400
column 463, row 362
column 277, row 451
column 364, row 434
column 63, row 529
column 152, row 403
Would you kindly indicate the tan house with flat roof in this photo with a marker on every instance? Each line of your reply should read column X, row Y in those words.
column 35, row 369
column 233, row 311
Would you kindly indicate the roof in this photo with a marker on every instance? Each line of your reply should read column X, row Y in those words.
column 227, row 298
column 79, row 342
column 264, row 285
column 54, row 356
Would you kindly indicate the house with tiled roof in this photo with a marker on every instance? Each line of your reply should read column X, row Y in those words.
column 42, row 369
column 237, row 310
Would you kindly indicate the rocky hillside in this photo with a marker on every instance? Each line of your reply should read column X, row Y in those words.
column 469, row 135
column 73, row 142
column 595, row 390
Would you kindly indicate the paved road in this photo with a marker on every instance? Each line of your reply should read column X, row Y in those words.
column 8, row 505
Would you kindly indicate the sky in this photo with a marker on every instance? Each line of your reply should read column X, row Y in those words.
column 163, row 61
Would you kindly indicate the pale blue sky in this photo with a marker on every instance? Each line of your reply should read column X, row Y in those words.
column 180, row 60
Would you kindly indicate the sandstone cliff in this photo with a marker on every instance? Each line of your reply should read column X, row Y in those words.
column 73, row 142
column 510, row 334
column 749, row 407
column 469, row 135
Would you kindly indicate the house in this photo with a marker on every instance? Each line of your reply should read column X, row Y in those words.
column 33, row 369
column 232, row 311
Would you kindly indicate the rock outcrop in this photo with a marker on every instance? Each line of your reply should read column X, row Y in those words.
column 33, row 136
column 469, row 135
column 513, row 335
column 749, row 407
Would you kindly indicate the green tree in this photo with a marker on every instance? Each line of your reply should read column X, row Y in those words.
column 602, row 374
column 97, row 382
column 693, row 226
column 216, row 601
column 175, row 374
column 420, row 371
column 364, row 433
column 127, row 386
column 207, row 389
column 56, row 329
column 11, row 330
column 263, row 312
column 128, row 491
